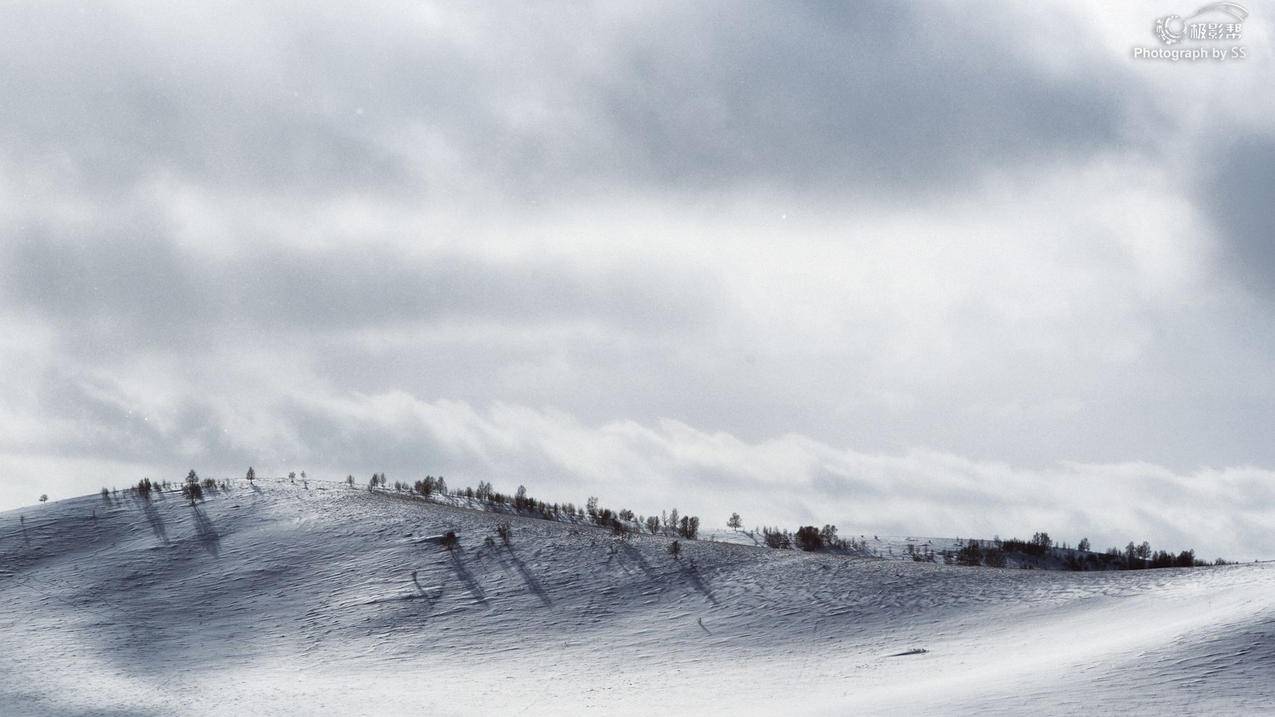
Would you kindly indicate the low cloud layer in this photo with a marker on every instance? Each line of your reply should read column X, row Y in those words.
column 957, row 268
column 785, row 480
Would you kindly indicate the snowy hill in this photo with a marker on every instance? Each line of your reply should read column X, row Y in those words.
column 275, row 599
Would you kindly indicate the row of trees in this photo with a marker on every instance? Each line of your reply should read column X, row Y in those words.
column 807, row 537
column 1041, row 551
column 621, row 522
column 1141, row 557
column 193, row 488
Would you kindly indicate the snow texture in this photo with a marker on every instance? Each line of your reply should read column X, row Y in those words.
column 277, row 599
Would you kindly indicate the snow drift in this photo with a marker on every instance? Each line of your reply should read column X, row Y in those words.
column 277, row 599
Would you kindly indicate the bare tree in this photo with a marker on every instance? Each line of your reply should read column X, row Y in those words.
column 670, row 521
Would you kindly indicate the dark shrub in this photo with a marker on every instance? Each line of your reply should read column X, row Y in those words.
column 971, row 554
column 688, row 527
column 192, row 491
column 994, row 558
column 776, row 538
column 809, row 538
column 425, row 487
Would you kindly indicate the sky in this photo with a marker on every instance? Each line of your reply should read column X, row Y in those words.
column 933, row 268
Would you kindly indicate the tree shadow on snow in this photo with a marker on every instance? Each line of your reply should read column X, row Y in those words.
column 532, row 583
column 635, row 555
column 691, row 573
column 156, row 521
column 207, row 535
column 429, row 600
column 467, row 578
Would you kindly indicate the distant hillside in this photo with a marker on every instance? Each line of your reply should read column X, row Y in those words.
column 300, row 599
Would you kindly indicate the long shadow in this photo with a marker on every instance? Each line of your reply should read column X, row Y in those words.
column 429, row 601
column 635, row 555
column 207, row 535
column 467, row 578
column 532, row 583
column 692, row 576
column 254, row 487
column 157, row 522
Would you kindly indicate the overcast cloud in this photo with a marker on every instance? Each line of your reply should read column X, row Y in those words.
column 945, row 269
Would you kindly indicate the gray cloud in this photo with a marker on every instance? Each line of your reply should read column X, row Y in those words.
column 143, row 286
column 106, row 100
column 1239, row 200
column 536, row 101
column 820, row 94
column 786, row 479
column 906, row 254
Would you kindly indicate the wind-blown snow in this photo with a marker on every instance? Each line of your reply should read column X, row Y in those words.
column 279, row 600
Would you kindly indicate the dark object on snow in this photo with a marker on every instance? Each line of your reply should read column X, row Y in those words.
column 913, row 651
column 809, row 538
column 192, row 491
column 441, row 539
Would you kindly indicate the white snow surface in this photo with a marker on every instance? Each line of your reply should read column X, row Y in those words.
column 274, row 599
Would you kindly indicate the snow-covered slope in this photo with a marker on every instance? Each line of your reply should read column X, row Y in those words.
column 275, row 599
column 886, row 547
